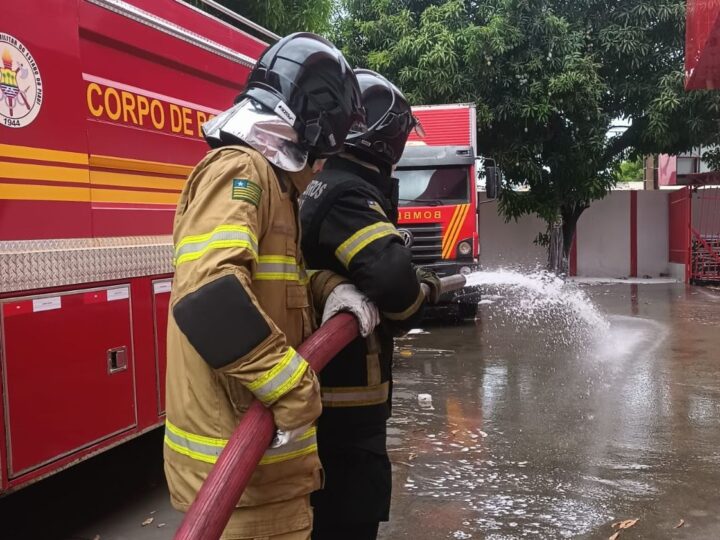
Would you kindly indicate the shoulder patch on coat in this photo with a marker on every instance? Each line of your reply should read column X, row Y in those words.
column 376, row 206
column 246, row 190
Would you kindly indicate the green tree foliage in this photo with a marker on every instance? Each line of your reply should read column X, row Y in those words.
column 548, row 77
column 281, row 16
column 711, row 157
column 630, row 170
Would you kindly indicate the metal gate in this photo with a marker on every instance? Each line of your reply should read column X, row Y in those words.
column 705, row 234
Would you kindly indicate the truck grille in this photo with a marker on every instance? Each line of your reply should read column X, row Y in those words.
column 426, row 244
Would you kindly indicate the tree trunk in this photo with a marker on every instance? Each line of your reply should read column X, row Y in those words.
column 562, row 234
column 557, row 255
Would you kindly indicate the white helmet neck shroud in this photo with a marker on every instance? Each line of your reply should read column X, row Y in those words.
column 261, row 129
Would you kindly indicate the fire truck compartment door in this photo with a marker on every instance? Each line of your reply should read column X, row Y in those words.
column 161, row 307
column 69, row 383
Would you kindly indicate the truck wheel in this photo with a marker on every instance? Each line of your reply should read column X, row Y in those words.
column 468, row 310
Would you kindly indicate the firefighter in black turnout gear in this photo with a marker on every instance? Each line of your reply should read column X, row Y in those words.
column 348, row 216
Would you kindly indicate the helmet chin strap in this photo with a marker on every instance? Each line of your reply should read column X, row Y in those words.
column 312, row 133
column 355, row 159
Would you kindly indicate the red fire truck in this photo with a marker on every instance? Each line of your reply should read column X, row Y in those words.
column 101, row 103
column 438, row 208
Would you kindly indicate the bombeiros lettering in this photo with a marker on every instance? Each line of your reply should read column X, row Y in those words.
column 315, row 189
column 421, row 214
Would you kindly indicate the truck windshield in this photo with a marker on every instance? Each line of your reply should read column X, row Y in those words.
column 444, row 185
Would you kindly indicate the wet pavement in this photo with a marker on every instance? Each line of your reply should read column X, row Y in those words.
column 534, row 435
column 107, row 497
column 532, row 431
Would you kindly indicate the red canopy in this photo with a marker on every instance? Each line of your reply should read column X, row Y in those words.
column 702, row 45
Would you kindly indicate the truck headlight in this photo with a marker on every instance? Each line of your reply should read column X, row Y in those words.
column 465, row 248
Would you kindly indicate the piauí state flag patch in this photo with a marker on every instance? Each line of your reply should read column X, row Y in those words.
column 245, row 190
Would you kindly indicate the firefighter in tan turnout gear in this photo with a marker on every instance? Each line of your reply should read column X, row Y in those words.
column 240, row 305
column 348, row 217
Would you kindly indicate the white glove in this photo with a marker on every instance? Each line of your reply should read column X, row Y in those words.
column 347, row 297
column 286, row 437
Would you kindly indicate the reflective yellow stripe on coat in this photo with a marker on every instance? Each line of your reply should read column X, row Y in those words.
column 302, row 446
column 194, row 446
column 353, row 245
column 276, row 382
column 279, row 268
column 207, row 449
column 192, row 248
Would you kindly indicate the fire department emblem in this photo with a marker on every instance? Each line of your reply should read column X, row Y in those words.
column 407, row 237
column 21, row 89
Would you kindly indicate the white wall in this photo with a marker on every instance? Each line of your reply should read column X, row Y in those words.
column 509, row 245
column 652, row 233
column 603, row 238
column 677, row 271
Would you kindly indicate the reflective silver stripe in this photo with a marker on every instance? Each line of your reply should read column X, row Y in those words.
column 277, row 272
column 193, row 247
column 280, row 268
column 353, row 245
column 208, row 450
column 194, row 446
column 306, row 444
column 358, row 396
column 276, row 382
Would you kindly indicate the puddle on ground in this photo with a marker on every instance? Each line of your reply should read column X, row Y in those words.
column 533, row 434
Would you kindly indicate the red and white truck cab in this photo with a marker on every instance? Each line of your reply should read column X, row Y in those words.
column 437, row 197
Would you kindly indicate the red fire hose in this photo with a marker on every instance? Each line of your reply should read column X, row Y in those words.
column 223, row 487
column 210, row 512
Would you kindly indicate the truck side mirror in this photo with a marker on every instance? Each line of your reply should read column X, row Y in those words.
column 492, row 181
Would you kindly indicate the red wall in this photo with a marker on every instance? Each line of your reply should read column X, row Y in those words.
column 679, row 221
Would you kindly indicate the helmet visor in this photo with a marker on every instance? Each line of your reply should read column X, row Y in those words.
column 396, row 124
column 359, row 122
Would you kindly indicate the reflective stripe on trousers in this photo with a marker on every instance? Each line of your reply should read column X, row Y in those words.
column 355, row 396
column 207, row 449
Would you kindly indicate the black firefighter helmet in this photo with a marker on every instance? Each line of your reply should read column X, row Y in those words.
column 389, row 122
column 306, row 81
